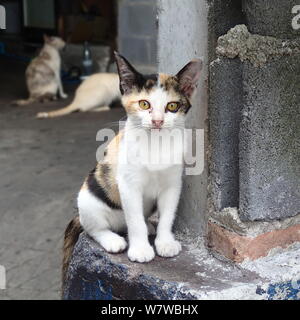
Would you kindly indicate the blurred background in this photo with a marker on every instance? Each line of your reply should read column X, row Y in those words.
column 128, row 25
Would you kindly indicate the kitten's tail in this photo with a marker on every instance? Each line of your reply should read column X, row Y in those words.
column 60, row 112
column 72, row 233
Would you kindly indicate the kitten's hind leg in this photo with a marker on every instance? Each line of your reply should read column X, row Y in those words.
column 110, row 241
column 94, row 218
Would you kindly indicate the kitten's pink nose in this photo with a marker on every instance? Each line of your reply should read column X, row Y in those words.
column 157, row 123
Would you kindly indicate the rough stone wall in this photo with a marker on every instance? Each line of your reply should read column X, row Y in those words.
column 182, row 36
column 271, row 17
column 254, row 90
column 225, row 100
column 269, row 141
column 222, row 16
column 137, row 33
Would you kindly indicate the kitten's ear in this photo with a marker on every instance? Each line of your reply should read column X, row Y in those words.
column 188, row 77
column 128, row 75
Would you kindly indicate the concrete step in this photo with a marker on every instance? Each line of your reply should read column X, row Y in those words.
column 194, row 274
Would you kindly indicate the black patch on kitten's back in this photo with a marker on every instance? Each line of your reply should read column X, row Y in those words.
column 97, row 190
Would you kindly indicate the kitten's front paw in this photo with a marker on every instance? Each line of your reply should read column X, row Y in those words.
column 167, row 248
column 144, row 253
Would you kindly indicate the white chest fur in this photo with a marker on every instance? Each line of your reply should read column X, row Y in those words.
column 145, row 166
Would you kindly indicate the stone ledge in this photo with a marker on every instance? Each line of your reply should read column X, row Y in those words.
column 194, row 274
column 238, row 248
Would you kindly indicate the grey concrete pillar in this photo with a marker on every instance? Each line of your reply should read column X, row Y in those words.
column 271, row 17
column 225, row 104
column 182, row 36
column 137, row 33
column 226, row 100
column 254, row 115
column 269, row 141
column 269, row 134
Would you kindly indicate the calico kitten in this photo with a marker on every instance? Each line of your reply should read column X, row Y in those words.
column 43, row 73
column 119, row 196
column 97, row 91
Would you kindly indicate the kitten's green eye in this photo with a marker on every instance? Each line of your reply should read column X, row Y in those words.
column 172, row 106
column 145, row 105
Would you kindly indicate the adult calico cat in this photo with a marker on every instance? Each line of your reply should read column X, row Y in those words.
column 43, row 73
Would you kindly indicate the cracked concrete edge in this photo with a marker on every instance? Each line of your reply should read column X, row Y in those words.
column 278, row 273
column 239, row 42
column 229, row 219
column 280, row 265
column 281, row 270
column 102, row 290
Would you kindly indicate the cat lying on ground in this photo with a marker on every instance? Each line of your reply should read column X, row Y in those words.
column 95, row 93
column 119, row 195
column 43, row 73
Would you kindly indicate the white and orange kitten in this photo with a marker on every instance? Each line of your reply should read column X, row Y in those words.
column 119, row 196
